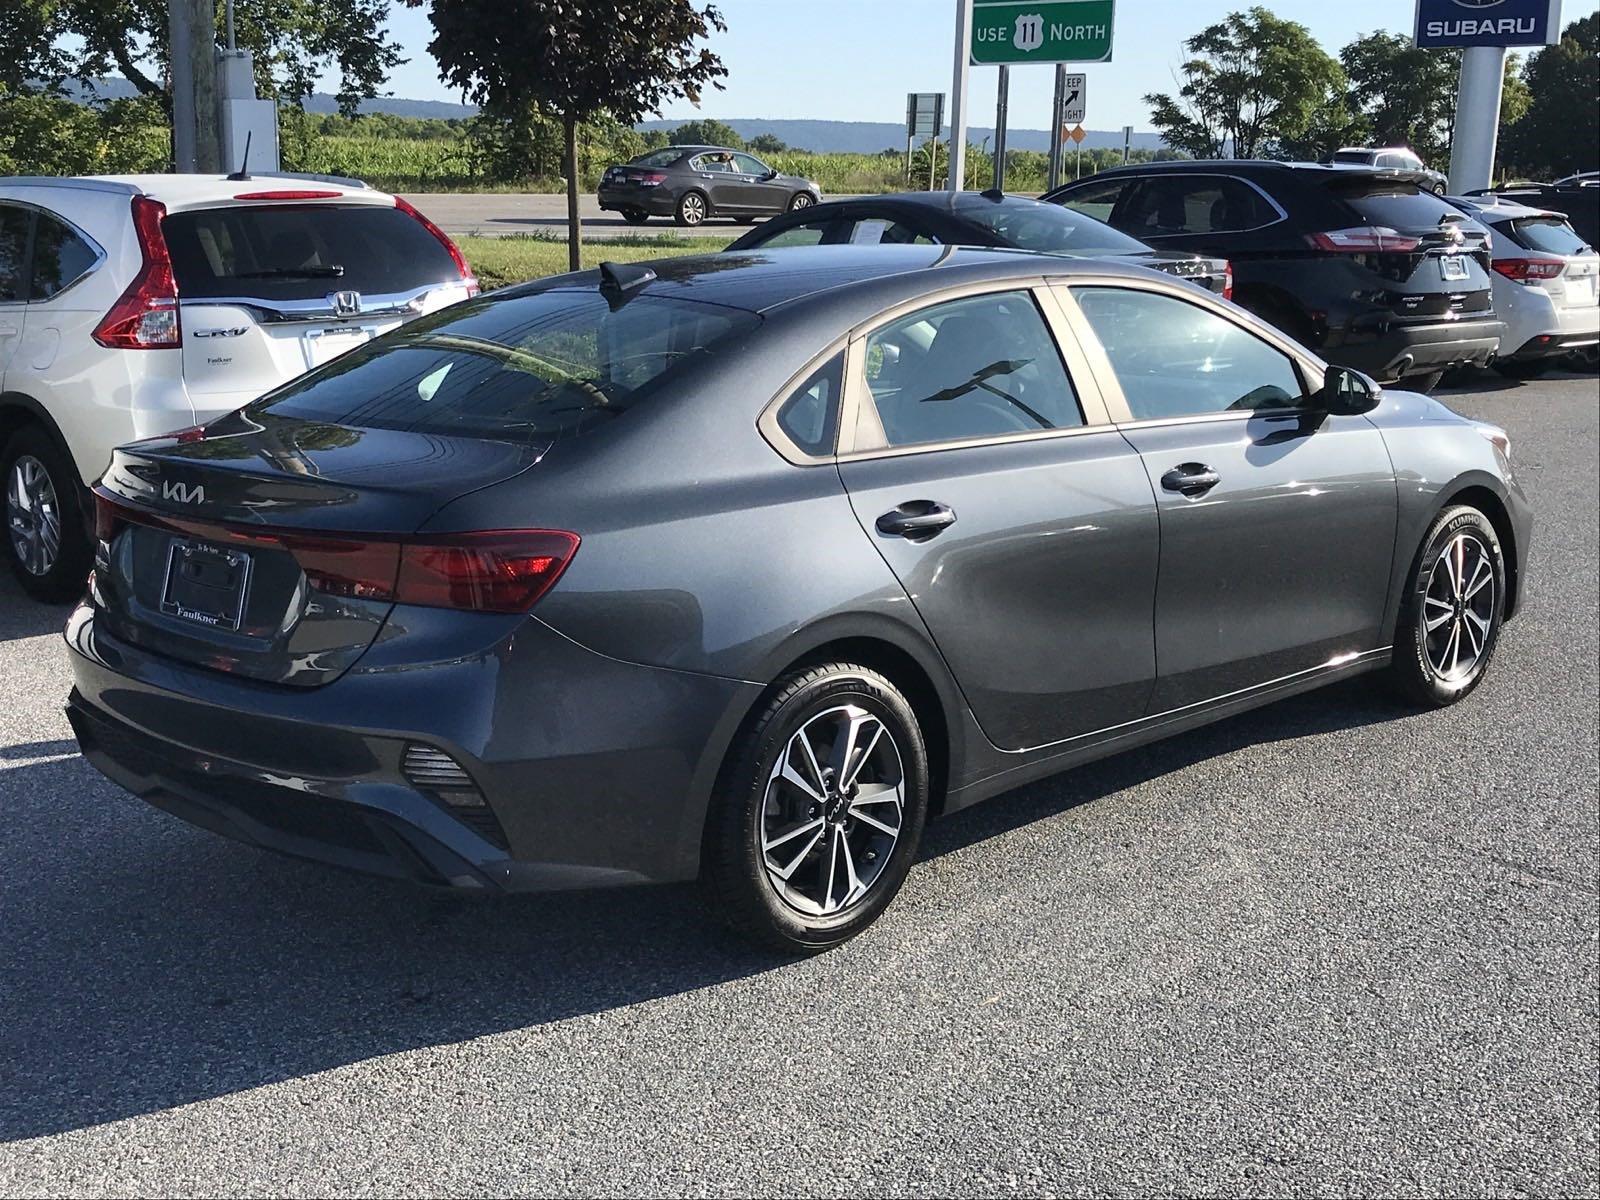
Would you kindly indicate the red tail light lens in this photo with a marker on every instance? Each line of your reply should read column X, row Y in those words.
column 1227, row 281
column 654, row 179
column 145, row 317
column 503, row 572
column 1365, row 239
column 456, row 256
column 1529, row 270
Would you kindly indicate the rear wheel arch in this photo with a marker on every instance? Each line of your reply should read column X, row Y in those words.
column 19, row 411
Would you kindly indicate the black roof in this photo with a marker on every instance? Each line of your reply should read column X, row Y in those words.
column 1246, row 166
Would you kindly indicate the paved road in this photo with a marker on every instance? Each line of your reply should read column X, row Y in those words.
column 462, row 214
column 1326, row 947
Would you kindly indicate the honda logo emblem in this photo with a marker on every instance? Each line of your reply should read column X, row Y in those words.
column 345, row 304
column 183, row 493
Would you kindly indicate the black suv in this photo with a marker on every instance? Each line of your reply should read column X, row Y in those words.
column 1358, row 263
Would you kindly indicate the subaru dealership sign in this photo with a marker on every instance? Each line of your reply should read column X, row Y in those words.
column 1450, row 23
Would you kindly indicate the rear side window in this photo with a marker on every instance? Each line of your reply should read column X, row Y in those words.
column 550, row 364
column 301, row 252
column 1400, row 209
column 978, row 368
column 1047, row 228
column 60, row 257
column 1097, row 200
column 810, row 416
column 1176, row 359
column 799, row 235
column 13, row 251
column 1549, row 234
column 1210, row 204
column 879, row 231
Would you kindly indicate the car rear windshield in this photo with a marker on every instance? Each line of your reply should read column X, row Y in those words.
column 658, row 158
column 1406, row 208
column 1352, row 156
column 550, row 364
column 1550, row 234
column 1050, row 229
column 302, row 252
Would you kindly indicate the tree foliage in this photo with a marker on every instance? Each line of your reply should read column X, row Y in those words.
column 768, row 143
column 1559, row 130
column 1252, row 80
column 573, row 60
column 706, row 132
column 294, row 42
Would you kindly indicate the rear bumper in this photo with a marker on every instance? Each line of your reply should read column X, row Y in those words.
column 657, row 201
column 1568, row 329
column 594, row 772
column 1393, row 352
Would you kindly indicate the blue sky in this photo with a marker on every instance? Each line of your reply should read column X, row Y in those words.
column 855, row 60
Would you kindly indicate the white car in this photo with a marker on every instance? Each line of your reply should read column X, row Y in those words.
column 1546, row 285
column 136, row 305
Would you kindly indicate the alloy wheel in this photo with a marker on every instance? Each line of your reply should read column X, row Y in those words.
column 1458, row 607
column 833, row 811
column 802, row 200
column 693, row 209
column 33, row 515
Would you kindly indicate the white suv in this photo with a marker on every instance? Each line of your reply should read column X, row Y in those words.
column 135, row 305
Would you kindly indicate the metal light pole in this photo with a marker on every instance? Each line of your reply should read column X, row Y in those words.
column 1002, row 98
column 1477, row 128
column 1055, row 125
column 958, row 95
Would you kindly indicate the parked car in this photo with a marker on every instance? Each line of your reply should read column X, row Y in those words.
column 692, row 184
column 135, row 305
column 1365, row 268
column 1575, row 197
column 742, row 566
column 1400, row 159
column 976, row 219
column 1546, row 286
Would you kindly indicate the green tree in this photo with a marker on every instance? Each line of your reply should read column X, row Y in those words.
column 573, row 60
column 767, row 143
column 1559, row 130
column 294, row 42
column 707, row 131
column 1251, row 80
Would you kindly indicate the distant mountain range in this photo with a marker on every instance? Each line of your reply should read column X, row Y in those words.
column 836, row 137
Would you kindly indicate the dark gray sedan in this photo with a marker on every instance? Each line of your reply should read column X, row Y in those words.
column 742, row 567
column 692, row 184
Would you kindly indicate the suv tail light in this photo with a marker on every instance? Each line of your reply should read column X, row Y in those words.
column 1365, row 239
column 502, row 571
column 1528, row 270
column 145, row 316
column 467, row 277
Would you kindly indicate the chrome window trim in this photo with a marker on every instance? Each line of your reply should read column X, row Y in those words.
column 1309, row 368
column 1249, row 183
column 397, row 304
column 37, row 210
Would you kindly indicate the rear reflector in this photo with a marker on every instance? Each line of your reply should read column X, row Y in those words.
column 1527, row 270
column 145, row 316
column 500, row 571
column 1365, row 239
column 301, row 194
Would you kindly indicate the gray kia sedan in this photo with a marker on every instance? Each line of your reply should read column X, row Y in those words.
column 742, row 567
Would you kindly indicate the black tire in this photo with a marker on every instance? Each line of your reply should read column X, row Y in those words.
column 801, row 200
column 1415, row 670
column 1438, row 189
column 63, row 574
column 693, row 209
column 1424, row 382
column 738, row 883
column 635, row 216
column 1530, row 368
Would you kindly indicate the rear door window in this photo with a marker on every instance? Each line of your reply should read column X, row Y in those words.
column 1208, row 204
column 1177, row 359
column 13, row 251
column 300, row 252
column 1549, row 234
column 60, row 257
column 551, row 364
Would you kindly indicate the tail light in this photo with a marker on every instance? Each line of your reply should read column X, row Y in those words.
column 145, row 316
column 503, row 571
column 1529, row 270
column 1227, row 281
column 467, row 277
column 1365, row 239
column 654, row 179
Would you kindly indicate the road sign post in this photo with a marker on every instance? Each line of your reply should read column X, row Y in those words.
column 1127, row 144
column 924, row 119
column 958, row 94
column 1002, row 98
column 1055, row 126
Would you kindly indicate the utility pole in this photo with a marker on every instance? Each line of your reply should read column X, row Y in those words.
column 1055, row 125
column 192, row 33
column 1002, row 99
column 958, row 96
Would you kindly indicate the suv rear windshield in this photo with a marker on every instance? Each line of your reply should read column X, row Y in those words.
column 1550, row 234
column 303, row 252
column 1406, row 209
column 1049, row 229
column 550, row 364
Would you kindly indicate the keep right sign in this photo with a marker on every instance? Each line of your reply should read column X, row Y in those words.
column 1075, row 100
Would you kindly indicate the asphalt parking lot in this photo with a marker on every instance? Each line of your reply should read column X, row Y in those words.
column 1330, row 946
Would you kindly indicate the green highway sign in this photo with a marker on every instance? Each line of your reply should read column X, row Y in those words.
column 1050, row 31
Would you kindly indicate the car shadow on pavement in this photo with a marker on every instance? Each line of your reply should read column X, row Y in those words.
column 23, row 617
column 145, row 964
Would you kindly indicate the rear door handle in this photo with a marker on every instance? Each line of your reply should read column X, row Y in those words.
column 1190, row 479
column 916, row 519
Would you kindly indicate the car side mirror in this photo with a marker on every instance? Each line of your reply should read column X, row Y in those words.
column 771, row 174
column 1346, row 393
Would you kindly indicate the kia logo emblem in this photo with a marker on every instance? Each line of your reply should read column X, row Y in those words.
column 183, row 493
